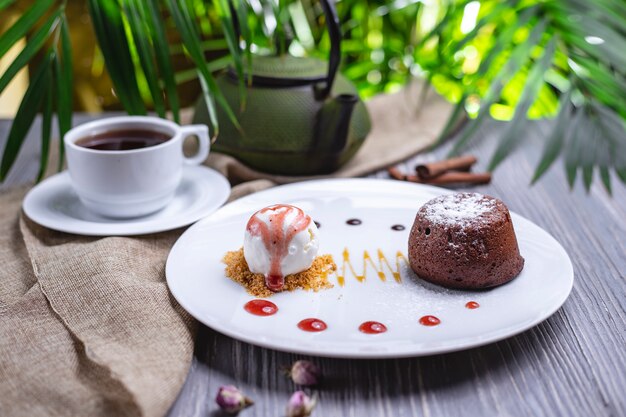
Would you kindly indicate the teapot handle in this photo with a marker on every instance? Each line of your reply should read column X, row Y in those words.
column 334, row 33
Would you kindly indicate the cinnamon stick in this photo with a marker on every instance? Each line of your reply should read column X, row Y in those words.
column 434, row 169
column 453, row 177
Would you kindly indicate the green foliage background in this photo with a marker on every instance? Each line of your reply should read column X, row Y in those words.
column 510, row 60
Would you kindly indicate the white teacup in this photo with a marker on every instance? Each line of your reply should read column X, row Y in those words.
column 134, row 182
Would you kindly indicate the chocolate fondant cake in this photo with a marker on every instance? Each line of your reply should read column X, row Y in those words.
column 464, row 240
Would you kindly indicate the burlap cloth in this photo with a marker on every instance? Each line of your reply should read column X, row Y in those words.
column 87, row 325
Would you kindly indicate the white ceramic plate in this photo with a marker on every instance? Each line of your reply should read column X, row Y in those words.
column 54, row 204
column 196, row 277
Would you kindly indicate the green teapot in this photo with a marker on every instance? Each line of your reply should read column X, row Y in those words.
column 301, row 116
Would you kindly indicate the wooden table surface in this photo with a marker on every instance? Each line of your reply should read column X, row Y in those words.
column 573, row 364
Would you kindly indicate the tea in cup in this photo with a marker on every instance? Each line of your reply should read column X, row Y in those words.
column 130, row 166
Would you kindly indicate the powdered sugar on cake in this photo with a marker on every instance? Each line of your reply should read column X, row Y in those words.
column 458, row 209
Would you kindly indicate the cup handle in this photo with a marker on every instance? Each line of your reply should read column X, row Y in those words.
column 204, row 143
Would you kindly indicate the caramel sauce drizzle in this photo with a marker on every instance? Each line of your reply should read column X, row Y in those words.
column 383, row 263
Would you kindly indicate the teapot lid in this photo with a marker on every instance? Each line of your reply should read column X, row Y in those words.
column 286, row 70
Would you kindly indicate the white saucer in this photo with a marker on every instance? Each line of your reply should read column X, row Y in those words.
column 54, row 204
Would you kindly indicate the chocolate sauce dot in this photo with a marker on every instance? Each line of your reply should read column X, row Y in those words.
column 354, row 222
column 317, row 224
column 397, row 227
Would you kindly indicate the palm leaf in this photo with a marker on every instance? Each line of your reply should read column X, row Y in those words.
column 242, row 14
column 593, row 65
column 487, row 19
column 612, row 44
column 24, row 24
column 32, row 47
column 601, row 11
column 587, row 156
column 602, row 151
column 278, row 8
column 605, row 77
column 613, row 133
column 206, row 45
column 512, row 136
column 587, row 176
column 607, row 96
column 505, row 38
column 64, row 82
column 145, row 53
column 517, row 59
column 5, row 3
column 554, row 143
column 46, row 128
column 573, row 149
column 224, row 11
column 602, row 54
column 194, row 50
column 606, row 179
column 441, row 25
column 114, row 44
column 161, row 48
column 182, row 17
column 29, row 106
column 219, row 64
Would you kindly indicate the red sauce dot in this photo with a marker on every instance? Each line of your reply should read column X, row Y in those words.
column 472, row 305
column 372, row 327
column 429, row 321
column 312, row 325
column 260, row 307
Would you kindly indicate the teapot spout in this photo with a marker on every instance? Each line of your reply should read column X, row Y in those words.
column 333, row 124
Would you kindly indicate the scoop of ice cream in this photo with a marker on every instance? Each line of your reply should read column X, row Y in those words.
column 280, row 240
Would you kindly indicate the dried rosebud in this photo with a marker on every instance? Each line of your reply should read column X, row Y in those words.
column 305, row 373
column 231, row 400
column 300, row 405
